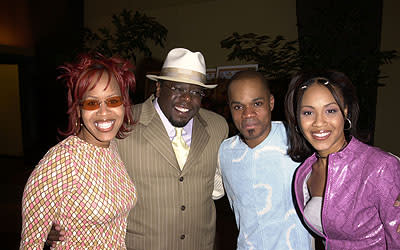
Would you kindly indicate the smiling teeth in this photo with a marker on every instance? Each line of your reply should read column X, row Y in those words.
column 104, row 125
column 184, row 110
column 322, row 134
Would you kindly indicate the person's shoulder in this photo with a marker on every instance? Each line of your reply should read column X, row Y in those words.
column 143, row 113
column 214, row 123
column 374, row 155
column 278, row 133
column 61, row 152
column 279, row 127
column 137, row 107
column 380, row 166
column 394, row 157
column 382, row 156
column 70, row 148
column 231, row 140
column 70, row 143
column 137, row 110
column 229, row 144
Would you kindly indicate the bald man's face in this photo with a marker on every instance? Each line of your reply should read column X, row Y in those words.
column 251, row 105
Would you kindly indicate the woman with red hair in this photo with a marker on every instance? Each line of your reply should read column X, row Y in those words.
column 81, row 183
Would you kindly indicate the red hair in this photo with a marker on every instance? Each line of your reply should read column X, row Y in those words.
column 86, row 72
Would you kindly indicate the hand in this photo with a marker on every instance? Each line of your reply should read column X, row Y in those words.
column 55, row 234
column 397, row 204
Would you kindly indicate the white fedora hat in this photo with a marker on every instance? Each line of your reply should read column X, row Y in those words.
column 183, row 65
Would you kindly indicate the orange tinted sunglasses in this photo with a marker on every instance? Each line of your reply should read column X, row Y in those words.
column 92, row 104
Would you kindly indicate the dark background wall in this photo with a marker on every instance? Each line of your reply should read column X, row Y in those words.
column 43, row 35
column 37, row 36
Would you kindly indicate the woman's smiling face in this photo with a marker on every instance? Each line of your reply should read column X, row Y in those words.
column 321, row 120
column 101, row 125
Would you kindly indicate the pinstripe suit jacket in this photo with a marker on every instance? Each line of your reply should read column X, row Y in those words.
column 174, row 209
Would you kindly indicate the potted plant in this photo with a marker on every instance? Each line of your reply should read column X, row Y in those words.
column 130, row 35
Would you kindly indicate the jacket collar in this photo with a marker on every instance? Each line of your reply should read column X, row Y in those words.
column 150, row 119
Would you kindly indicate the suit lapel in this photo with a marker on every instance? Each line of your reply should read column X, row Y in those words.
column 155, row 133
column 200, row 139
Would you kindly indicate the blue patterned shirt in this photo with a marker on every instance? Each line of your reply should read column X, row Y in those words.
column 258, row 184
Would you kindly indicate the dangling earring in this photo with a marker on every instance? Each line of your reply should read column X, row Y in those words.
column 78, row 126
column 297, row 130
column 348, row 120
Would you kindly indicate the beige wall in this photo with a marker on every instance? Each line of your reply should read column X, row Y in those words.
column 201, row 25
column 387, row 135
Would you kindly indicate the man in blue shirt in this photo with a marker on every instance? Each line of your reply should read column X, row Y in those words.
column 257, row 172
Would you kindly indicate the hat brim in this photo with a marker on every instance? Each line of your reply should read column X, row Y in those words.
column 183, row 80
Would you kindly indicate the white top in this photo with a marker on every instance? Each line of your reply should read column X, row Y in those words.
column 313, row 207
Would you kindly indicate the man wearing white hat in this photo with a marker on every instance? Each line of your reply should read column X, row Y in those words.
column 174, row 169
column 171, row 155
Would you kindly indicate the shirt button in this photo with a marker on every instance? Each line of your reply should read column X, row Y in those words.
column 181, row 179
column 183, row 208
column 182, row 236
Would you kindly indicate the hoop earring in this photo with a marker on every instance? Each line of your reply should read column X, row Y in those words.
column 348, row 120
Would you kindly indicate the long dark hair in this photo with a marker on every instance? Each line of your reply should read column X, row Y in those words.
column 340, row 87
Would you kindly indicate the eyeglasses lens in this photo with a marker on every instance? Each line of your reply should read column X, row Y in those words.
column 92, row 104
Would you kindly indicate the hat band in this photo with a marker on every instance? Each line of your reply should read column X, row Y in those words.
column 183, row 73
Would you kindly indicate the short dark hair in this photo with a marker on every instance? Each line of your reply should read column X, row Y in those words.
column 340, row 87
column 248, row 74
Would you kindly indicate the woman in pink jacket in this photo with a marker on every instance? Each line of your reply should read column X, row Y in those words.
column 344, row 189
